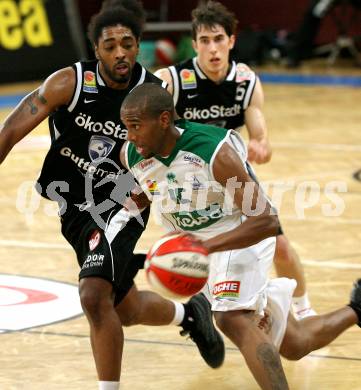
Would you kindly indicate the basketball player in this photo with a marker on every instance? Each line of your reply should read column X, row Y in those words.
column 207, row 164
column 82, row 172
column 210, row 88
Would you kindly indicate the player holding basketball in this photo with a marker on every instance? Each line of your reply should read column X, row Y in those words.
column 212, row 195
column 210, row 88
column 81, row 171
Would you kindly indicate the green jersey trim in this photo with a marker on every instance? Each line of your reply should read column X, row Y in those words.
column 132, row 156
column 200, row 139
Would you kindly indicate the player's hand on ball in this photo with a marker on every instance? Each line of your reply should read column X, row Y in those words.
column 190, row 236
column 177, row 265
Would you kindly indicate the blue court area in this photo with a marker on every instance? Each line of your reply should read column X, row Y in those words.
column 10, row 100
column 266, row 78
column 331, row 80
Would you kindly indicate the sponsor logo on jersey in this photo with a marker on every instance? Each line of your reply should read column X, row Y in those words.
column 146, row 164
column 194, row 160
column 198, row 219
column 94, row 260
column 106, row 128
column 227, row 289
column 188, row 79
column 89, row 84
column 100, row 147
column 243, row 73
column 196, row 184
column 86, row 101
column 213, row 112
column 94, row 240
column 171, row 178
column 152, row 187
column 87, row 167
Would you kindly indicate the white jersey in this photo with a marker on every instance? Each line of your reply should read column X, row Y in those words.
column 182, row 187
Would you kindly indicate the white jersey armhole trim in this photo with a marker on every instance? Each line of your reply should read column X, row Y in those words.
column 175, row 79
column 215, row 154
column 79, row 82
column 100, row 80
column 142, row 77
column 180, row 130
column 126, row 156
column 198, row 70
column 164, row 84
column 250, row 90
column 232, row 72
column 56, row 131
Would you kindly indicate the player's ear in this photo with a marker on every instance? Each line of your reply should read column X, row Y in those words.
column 194, row 45
column 232, row 40
column 96, row 52
column 165, row 118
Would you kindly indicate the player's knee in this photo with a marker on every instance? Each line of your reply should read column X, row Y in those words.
column 292, row 352
column 91, row 304
column 294, row 346
column 228, row 322
column 283, row 249
column 94, row 303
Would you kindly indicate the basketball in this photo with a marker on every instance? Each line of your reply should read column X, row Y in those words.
column 176, row 266
column 165, row 52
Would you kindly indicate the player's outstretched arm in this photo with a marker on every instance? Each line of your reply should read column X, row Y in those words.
column 261, row 223
column 259, row 148
column 56, row 91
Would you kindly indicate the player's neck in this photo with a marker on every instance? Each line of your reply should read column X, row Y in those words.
column 218, row 76
column 170, row 141
column 110, row 83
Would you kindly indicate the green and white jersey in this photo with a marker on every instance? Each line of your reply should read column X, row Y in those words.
column 182, row 187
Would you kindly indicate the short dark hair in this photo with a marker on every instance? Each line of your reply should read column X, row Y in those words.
column 151, row 99
column 212, row 13
column 128, row 13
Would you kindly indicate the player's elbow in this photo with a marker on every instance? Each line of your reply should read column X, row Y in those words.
column 275, row 225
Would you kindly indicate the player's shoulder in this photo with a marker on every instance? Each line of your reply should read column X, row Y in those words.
column 163, row 74
column 61, row 80
column 201, row 139
column 242, row 66
column 243, row 72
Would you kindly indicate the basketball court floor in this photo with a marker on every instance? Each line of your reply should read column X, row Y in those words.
column 315, row 130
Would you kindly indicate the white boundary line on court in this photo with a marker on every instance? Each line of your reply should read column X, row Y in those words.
column 48, row 245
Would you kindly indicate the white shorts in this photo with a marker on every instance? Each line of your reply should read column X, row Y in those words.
column 279, row 295
column 238, row 278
